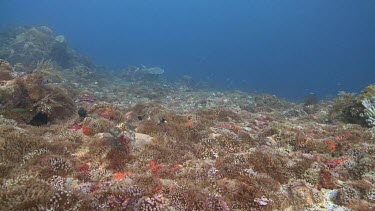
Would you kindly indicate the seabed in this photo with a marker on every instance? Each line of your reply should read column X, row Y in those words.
column 76, row 136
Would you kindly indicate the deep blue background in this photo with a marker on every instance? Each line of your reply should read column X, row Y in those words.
column 285, row 47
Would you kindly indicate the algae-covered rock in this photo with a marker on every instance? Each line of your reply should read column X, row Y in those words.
column 37, row 97
column 349, row 104
column 28, row 45
column 348, row 109
column 367, row 93
column 5, row 71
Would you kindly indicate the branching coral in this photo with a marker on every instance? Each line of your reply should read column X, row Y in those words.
column 16, row 144
column 24, row 192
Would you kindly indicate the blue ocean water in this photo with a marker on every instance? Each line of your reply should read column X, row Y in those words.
column 289, row 48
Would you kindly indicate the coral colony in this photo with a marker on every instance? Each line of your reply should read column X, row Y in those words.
column 76, row 137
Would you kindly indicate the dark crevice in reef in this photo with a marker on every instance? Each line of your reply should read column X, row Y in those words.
column 39, row 119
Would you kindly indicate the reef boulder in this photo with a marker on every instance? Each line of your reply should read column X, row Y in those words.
column 6, row 71
column 30, row 98
column 28, row 45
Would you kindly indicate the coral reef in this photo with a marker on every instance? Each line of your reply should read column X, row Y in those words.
column 28, row 45
column 139, row 143
column 369, row 111
column 354, row 109
column 38, row 97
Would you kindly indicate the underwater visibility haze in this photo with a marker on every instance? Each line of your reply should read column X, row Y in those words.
column 187, row 105
column 289, row 48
